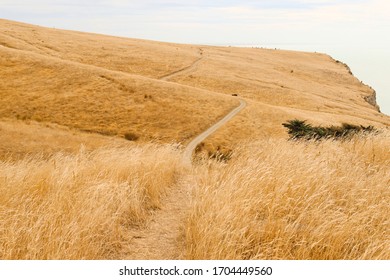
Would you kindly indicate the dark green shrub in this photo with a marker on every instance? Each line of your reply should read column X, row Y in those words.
column 298, row 129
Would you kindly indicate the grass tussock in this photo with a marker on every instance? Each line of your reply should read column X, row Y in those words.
column 80, row 206
column 279, row 199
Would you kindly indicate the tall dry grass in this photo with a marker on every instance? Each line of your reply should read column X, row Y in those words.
column 80, row 206
column 280, row 199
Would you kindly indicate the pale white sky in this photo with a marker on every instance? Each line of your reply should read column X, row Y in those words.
column 354, row 31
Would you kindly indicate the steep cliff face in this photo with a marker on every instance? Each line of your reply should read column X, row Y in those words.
column 371, row 99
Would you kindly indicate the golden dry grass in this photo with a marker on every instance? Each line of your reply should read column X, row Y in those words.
column 281, row 85
column 102, row 84
column 20, row 139
column 279, row 199
column 81, row 206
column 110, row 85
column 97, row 100
column 275, row 199
column 145, row 58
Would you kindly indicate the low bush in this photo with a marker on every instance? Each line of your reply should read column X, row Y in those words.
column 298, row 129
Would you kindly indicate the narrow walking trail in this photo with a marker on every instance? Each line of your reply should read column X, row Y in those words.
column 198, row 139
column 181, row 71
column 162, row 238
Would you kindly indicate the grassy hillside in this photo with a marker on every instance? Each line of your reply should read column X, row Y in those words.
column 92, row 129
column 97, row 95
column 112, row 86
column 145, row 58
column 20, row 139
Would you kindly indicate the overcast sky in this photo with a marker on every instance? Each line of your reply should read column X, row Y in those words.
column 356, row 31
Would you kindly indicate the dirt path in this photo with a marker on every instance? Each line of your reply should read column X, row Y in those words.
column 181, row 71
column 162, row 238
column 198, row 139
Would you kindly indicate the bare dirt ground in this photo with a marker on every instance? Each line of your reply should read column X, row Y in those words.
column 162, row 237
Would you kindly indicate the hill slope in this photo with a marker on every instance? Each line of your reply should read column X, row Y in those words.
column 117, row 86
column 103, row 197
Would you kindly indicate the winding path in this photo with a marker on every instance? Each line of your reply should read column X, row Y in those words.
column 162, row 236
column 181, row 71
column 198, row 139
